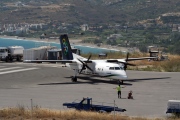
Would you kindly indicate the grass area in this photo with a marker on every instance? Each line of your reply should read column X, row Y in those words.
column 20, row 113
column 171, row 65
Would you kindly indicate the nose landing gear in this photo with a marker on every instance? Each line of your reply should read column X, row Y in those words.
column 120, row 82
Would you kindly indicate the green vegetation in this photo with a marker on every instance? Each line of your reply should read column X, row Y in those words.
column 139, row 38
column 174, row 43
column 140, row 23
column 93, row 12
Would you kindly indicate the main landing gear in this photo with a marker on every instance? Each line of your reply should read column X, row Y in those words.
column 120, row 82
column 74, row 79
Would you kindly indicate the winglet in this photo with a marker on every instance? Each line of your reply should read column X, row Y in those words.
column 66, row 48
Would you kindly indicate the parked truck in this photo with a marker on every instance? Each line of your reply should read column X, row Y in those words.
column 173, row 107
column 86, row 104
column 10, row 53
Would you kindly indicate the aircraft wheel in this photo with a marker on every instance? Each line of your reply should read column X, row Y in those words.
column 74, row 79
column 11, row 59
column 18, row 58
column 122, row 82
column 7, row 59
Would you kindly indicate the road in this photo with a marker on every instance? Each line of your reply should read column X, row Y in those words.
column 49, row 86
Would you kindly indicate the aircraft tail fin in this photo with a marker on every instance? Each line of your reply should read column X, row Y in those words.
column 66, row 48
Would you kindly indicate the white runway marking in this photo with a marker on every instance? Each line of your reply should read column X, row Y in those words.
column 20, row 70
column 55, row 66
column 10, row 68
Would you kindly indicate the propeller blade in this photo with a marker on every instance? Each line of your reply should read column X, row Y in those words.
column 81, row 70
column 81, row 61
column 89, row 57
column 125, row 67
column 127, row 56
column 89, row 68
column 84, row 66
column 126, row 63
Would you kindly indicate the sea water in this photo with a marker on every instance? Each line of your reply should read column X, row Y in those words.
column 28, row 44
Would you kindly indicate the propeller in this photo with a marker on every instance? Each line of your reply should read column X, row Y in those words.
column 127, row 56
column 85, row 64
column 126, row 62
column 89, row 57
column 125, row 65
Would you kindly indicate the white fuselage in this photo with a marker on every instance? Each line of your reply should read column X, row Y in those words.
column 100, row 68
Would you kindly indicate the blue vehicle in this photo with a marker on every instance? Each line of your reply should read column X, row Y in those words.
column 86, row 104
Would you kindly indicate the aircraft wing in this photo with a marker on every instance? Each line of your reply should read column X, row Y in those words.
column 129, row 59
column 61, row 61
column 141, row 58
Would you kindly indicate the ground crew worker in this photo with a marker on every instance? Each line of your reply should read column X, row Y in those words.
column 118, row 88
column 130, row 95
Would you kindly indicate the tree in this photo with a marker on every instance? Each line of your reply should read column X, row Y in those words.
column 175, row 43
column 97, row 41
column 143, row 48
column 150, row 38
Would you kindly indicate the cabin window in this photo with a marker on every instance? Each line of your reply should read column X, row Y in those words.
column 116, row 68
column 111, row 68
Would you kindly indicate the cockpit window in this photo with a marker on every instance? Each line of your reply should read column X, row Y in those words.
column 117, row 68
column 3, row 50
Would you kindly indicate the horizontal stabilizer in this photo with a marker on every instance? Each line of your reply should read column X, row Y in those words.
column 61, row 61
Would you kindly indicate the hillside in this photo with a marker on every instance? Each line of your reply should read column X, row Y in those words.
column 84, row 11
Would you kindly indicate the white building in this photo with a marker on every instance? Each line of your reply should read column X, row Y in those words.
column 9, row 29
column 114, row 36
column 84, row 27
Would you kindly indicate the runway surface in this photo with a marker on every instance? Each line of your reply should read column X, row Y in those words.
column 49, row 86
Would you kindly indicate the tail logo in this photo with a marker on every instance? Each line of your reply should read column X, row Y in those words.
column 65, row 46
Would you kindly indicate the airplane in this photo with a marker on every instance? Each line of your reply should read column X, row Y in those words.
column 110, row 68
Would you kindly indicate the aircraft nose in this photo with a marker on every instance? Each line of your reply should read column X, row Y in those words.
column 124, row 75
